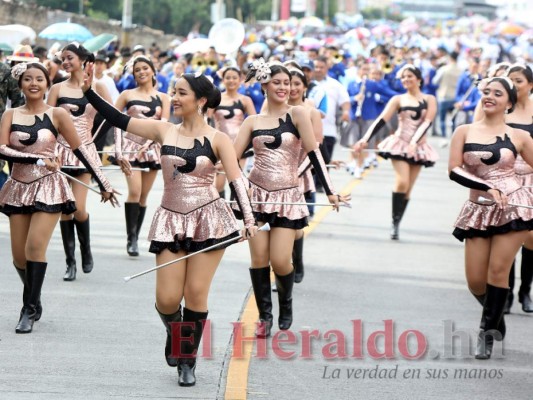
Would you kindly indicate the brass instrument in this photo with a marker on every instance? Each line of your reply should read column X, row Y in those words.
column 386, row 67
column 337, row 57
column 362, row 91
column 212, row 63
column 198, row 63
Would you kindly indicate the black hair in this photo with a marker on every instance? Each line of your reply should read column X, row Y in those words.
column 84, row 55
column 235, row 69
column 146, row 60
column 38, row 66
column 509, row 88
column 300, row 74
column 525, row 70
column 203, row 87
column 416, row 72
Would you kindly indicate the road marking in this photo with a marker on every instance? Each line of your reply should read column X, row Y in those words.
column 237, row 377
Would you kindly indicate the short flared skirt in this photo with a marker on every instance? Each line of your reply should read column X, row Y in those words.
column 395, row 148
column 486, row 220
column 278, row 215
column 208, row 225
column 50, row 194
column 150, row 159
column 67, row 157
column 306, row 182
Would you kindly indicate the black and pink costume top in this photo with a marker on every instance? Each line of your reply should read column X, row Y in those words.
column 31, row 187
column 488, row 166
column 521, row 167
column 82, row 115
column 229, row 118
column 192, row 216
column 396, row 146
column 274, row 176
column 127, row 145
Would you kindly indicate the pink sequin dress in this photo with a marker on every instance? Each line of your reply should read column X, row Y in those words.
column 130, row 144
column 32, row 188
column 521, row 167
column 306, row 183
column 274, row 176
column 396, row 146
column 493, row 163
column 192, row 216
column 228, row 119
column 82, row 115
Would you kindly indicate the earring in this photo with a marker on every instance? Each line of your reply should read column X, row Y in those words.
column 200, row 110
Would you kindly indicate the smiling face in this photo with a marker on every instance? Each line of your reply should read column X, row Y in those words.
column 71, row 61
column 142, row 72
column 231, row 80
column 494, row 99
column 297, row 88
column 184, row 100
column 523, row 87
column 34, row 84
column 410, row 80
column 278, row 88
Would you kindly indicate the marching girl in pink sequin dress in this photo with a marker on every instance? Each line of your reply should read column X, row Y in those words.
column 36, row 195
column 407, row 147
column 192, row 216
column 68, row 95
column 230, row 114
column 277, row 136
column 482, row 158
column 135, row 151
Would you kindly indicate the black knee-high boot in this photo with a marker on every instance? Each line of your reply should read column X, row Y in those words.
column 490, row 320
column 404, row 207
column 84, row 237
column 140, row 219
column 69, row 245
column 263, row 299
column 297, row 259
column 35, row 273
column 189, row 348
column 526, row 272
column 131, row 211
column 398, row 207
column 285, row 284
column 168, row 320
column 25, row 293
column 510, row 296
column 501, row 326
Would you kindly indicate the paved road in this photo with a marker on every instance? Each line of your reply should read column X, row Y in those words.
column 100, row 338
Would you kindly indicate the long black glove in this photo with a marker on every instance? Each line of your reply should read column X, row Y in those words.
column 110, row 113
column 9, row 154
column 321, row 171
column 469, row 180
column 83, row 155
column 239, row 188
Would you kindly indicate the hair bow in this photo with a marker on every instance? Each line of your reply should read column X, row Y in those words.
column 18, row 70
column 262, row 70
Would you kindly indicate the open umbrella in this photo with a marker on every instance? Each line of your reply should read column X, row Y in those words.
column 510, row 29
column 255, row 47
column 307, row 43
column 6, row 48
column 192, row 46
column 357, row 33
column 313, row 22
column 66, row 31
column 15, row 34
column 99, row 42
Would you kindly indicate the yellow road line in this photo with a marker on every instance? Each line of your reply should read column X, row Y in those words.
column 237, row 378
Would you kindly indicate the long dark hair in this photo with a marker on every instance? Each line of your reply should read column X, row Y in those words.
column 524, row 70
column 509, row 88
column 84, row 55
column 146, row 60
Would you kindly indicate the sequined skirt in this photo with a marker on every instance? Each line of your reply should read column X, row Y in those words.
column 306, row 182
column 203, row 227
column 51, row 194
column 278, row 215
column 149, row 159
column 486, row 220
column 396, row 148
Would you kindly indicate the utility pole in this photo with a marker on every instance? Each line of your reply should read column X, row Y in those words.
column 127, row 11
column 274, row 15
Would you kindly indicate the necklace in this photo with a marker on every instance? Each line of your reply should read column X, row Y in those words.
column 176, row 146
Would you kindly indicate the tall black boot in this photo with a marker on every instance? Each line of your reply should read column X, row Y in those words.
column 510, row 296
column 84, row 237
column 501, row 326
column 297, row 259
column 398, row 203
column 168, row 320
column 35, row 273
column 140, row 219
column 263, row 299
column 285, row 284
column 69, row 244
column 131, row 211
column 526, row 276
column 404, row 206
column 492, row 314
column 189, row 349
column 25, row 293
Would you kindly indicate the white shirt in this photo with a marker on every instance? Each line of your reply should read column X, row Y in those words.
column 337, row 96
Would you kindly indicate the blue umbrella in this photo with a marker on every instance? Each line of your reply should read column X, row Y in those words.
column 66, row 31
